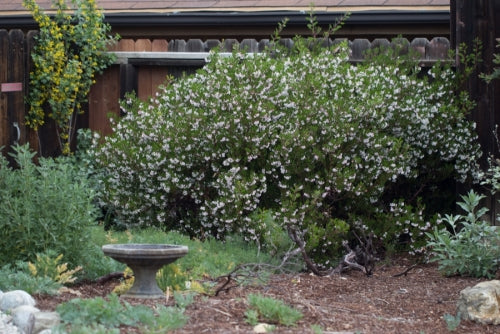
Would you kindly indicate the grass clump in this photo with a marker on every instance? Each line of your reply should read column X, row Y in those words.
column 270, row 310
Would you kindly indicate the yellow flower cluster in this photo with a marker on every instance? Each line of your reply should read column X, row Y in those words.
column 69, row 49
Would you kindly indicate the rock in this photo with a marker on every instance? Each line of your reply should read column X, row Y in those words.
column 24, row 317
column 480, row 303
column 6, row 326
column 13, row 299
column 263, row 328
column 45, row 321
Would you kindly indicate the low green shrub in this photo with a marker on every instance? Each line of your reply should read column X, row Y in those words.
column 270, row 310
column 110, row 313
column 468, row 245
column 43, row 207
column 18, row 277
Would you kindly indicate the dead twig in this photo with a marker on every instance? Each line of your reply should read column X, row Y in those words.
column 404, row 273
column 221, row 312
column 294, row 235
column 253, row 271
column 110, row 276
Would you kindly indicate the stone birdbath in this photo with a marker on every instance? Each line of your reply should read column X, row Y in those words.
column 144, row 260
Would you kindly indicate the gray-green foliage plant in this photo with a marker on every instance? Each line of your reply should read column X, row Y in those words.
column 297, row 140
column 467, row 245
column 452, row 321
column 110, row 313
column 18, row 277
column 44, row 206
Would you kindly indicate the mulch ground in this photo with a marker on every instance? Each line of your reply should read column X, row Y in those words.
column 347, row 303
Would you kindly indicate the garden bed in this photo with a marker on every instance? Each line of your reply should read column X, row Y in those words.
column 350, row 303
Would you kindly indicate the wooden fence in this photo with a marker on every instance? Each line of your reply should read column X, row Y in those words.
column 141, row 66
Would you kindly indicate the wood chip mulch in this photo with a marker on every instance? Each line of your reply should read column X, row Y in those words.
column 349, row 303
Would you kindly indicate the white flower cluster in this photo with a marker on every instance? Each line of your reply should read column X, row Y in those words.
column 295, row 135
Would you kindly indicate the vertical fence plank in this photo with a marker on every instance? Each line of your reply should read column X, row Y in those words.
column 380, row 43
column 158, row 74
column 229, row 45
column 4, row 119
column 419, row 45
column 103, row 100
column 144, row 73
column 481, row 19
column 249, row 45
column 177, row 45
column 212, row 44
column 125, row 45
column 437, row 48
column 195, row 45
column 15, row 73
column 359, row 47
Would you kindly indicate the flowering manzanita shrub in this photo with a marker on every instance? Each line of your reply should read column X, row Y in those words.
column 302, row 138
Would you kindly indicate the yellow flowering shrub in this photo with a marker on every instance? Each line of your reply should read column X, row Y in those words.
column 69, row 50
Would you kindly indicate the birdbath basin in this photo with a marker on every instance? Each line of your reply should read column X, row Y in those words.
column 144, row 260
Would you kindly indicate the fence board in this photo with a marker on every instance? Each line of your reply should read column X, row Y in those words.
column 103, row 100
column 4, row 119
column 16, row 74
column 144, row 73
column 158, row 74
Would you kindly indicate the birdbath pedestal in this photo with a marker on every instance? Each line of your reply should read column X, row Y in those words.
column 144, row 260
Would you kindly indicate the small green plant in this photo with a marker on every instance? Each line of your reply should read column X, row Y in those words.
column 468, row 245
column 316, row 329
column 452, row 321
column 109, row 313
column 270, row 310
column 183, row 299
column 167, row 319
column 69, row 51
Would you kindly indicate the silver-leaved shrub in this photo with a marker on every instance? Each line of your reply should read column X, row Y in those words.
column 301, row 137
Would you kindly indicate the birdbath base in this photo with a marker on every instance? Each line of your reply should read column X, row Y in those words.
column 144, row 260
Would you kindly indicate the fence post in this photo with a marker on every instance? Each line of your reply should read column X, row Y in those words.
column 12, row 84
column 4, row 118
column 481, row 19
